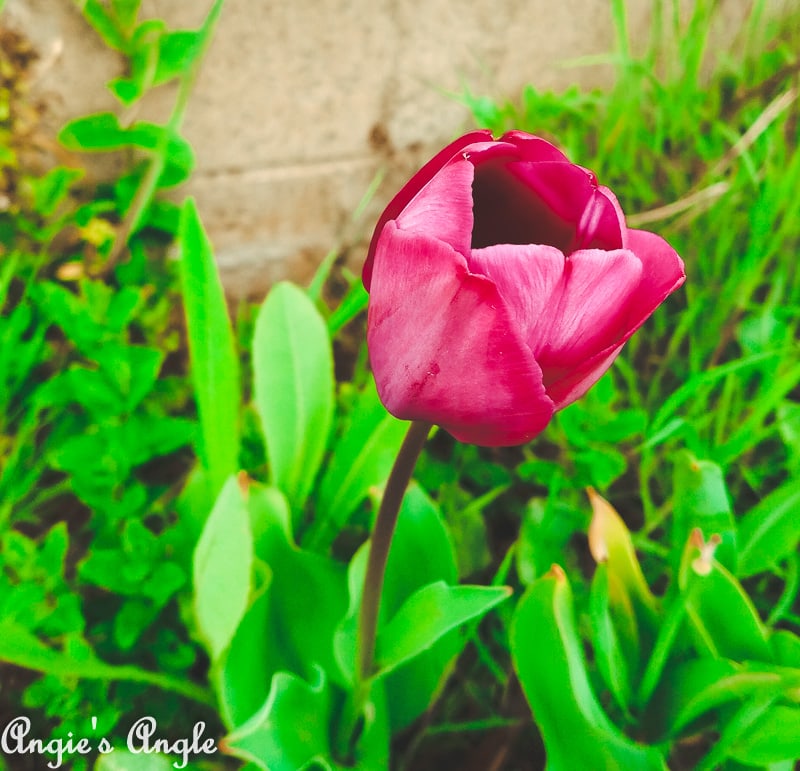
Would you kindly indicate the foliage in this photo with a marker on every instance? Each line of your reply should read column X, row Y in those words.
column 185, row 504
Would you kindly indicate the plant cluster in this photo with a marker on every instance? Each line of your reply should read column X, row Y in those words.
column 185, row 503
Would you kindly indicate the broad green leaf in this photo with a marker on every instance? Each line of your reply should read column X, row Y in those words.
column 298, row 600
column 774, row 736
column 427, row 615
column 223, row 561
column 361, row 459
column 770, row 531
column 701, row 501
column 291, row 730
column 243, row 676
column 103, row 131
column 549, row 661
column 293, row 389
column 214, row 362
column 722, row 617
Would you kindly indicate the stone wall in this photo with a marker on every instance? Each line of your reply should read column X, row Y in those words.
column 301, row 102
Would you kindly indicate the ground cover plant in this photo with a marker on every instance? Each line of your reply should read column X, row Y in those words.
column 620, row 592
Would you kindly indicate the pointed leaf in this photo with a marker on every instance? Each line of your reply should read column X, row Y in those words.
column 214, row 363
column 616, row 651
column 427, row 615
column 222, row 564
column 293, row 389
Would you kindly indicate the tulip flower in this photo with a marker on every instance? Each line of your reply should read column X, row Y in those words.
column 503, row 283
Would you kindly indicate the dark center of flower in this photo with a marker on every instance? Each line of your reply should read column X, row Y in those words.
column 507, row 211
column 556, row 204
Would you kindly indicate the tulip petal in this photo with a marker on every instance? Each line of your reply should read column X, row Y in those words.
column 533, row 149
column 588, row 312
column 444, row 347
column 413, row 186
column 442, row 210
column 571, row 195
column 526, row 276
column 662, row 273
column 578, row 381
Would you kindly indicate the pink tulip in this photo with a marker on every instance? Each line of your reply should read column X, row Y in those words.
column 503, row 283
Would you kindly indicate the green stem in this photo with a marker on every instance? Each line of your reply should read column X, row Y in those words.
column 381, row 540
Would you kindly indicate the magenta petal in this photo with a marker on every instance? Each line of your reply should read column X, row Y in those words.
column 443, row 346
column 526, row 275
column 663, row 273
column 571, row 195
column 579, row 380
column 533, row 148
column 413, row 186
column 589, row 311
column 442, row 210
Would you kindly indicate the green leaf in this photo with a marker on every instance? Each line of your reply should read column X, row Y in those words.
column 770, row 531
column 214, row 363
column 301, row 594
column 723, row 618
column 222, row 564
column 23, row 649
column 549, row 661
column 291, row 730
column 427, row 615
column 701, row 500
column 293, row 389
column 361, row 460
column 126, row 12
column 615, row 651
column 105, row 25
column 700, row 685
column 774, row 736
column 132, row 368
column 422, row 553
column 785, row 647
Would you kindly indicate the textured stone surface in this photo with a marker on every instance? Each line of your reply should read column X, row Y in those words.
column 300, row 103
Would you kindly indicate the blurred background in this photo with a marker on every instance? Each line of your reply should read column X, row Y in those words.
column 300, row 105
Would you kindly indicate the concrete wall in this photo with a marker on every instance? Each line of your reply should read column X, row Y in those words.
column 301, row 102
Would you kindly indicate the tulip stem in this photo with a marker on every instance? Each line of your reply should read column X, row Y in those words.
column 382, row 533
